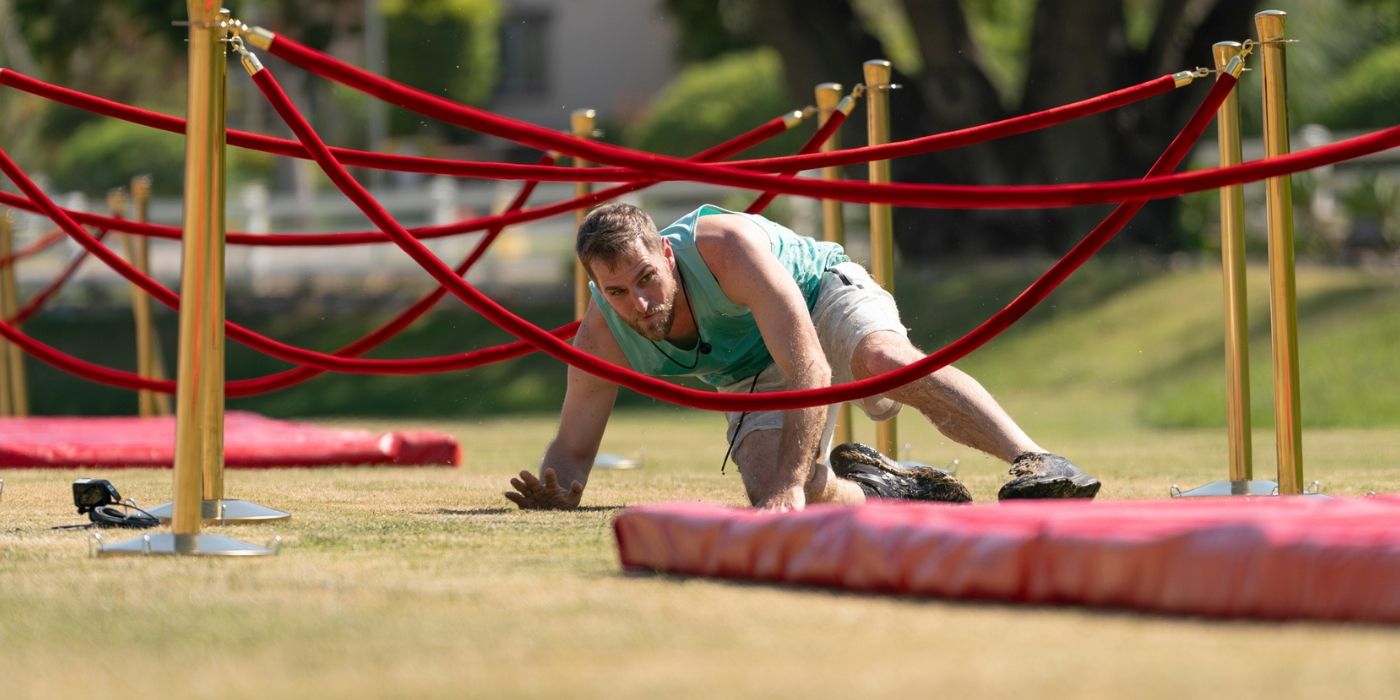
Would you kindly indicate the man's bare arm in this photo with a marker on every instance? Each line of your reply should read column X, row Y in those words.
column 741, row 259
column 588, row 402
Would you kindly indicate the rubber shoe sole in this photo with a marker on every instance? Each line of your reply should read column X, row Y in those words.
column 1047, row 476
column 1050, row 487
column 881, row 477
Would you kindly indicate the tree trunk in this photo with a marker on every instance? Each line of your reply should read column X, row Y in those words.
column 1077, row 50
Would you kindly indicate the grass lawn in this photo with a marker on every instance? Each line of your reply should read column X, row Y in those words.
column 426, row 583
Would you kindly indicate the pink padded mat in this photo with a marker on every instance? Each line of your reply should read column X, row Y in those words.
column 250, row 440
column 1276, row 558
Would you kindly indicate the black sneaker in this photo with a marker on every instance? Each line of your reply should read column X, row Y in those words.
column 882, row 477
column 1043, row 475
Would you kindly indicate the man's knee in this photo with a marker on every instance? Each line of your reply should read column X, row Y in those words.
column 819, row 486
column 757, row 458
column 882, row 351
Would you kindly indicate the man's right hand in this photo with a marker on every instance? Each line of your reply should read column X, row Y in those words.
column 789, row 499
column 544, row 493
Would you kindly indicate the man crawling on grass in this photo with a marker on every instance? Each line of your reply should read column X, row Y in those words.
column 747, row 305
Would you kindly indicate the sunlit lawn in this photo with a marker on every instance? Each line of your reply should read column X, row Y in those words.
column 426, row 583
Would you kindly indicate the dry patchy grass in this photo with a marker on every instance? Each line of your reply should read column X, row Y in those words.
column 425, row 583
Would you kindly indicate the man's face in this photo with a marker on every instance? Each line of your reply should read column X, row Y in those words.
column 641, row 287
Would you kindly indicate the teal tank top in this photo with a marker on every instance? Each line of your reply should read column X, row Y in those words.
column 737, row 350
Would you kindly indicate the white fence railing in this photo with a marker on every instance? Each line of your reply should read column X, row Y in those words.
column 533, row 255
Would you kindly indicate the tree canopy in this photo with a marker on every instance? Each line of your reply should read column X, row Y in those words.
column 967, row 63
column 960, row 63
column 129, row 51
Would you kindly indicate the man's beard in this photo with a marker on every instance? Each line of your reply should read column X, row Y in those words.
column 656, row 323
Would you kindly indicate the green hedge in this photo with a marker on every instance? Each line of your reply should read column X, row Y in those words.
column 715, row 100
column 106, row 153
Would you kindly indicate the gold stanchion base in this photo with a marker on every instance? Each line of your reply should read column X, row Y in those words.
column 169, row 544
column 229, row 511
column 1240, row 488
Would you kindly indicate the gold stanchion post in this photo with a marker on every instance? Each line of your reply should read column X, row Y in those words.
column 148, row 352
column 828, row 96
column 200, row 375
column 116, row 208
column 1283, row 308
column 1232, row 260
column 19, row 383
column 211, row 396
column 877, row 84
column 201, row 276
column 583, row 123
column 1229, row 57
column 7, row 305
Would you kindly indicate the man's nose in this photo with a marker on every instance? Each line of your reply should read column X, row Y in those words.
column 640, row 301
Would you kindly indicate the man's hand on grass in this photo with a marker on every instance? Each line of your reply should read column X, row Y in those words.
column 544, row 493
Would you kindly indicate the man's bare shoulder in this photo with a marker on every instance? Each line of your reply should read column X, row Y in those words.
column 737, row 252
column 722, row 236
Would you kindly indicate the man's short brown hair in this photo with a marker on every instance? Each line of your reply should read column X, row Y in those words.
column 608, row 231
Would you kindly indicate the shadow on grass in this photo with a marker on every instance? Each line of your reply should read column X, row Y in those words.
column 1108, row 611
column 506, row 510
column 472, row 511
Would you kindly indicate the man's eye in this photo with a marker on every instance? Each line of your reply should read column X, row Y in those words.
column 648, row 277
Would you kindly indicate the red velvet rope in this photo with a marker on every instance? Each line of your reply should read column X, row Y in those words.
column 260, row 385
column 968, row 197
column 254, row 386
column 269, row 346
column 926, row 144
column 241, row 387
column 702, row 399
column 80, row 367
column 34, row 247
column 960, row 138
column 657, row 165
column 958, row 196
column 822, row 135
column 728, row 148
column 929, row 196
column 292, row 149
column 296, row 375
column 299, row 374
column 1023, row 303
column 38, row 300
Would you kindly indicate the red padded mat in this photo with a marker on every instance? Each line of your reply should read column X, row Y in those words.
column 250, row 440
column 1275, row 558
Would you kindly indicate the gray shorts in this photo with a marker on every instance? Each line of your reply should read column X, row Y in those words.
column 850, row 306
